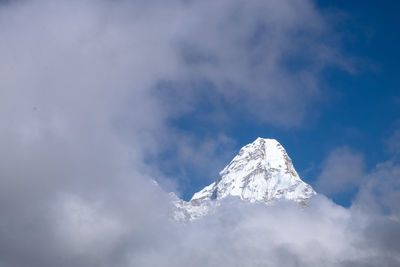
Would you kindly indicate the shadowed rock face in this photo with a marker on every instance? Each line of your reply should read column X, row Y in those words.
column 261, row 172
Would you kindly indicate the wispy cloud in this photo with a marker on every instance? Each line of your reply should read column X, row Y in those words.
column 342, row 170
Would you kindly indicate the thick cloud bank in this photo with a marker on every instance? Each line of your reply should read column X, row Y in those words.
column 283, row 234
column 88, row 90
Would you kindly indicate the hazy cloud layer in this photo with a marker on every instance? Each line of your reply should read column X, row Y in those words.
column 393, row 143
column 342, row 170
column 87, row 92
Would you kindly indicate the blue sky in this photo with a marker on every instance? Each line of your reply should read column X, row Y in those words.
column 357, row 108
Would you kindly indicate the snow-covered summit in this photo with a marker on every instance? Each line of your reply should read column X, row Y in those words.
column 261, row 172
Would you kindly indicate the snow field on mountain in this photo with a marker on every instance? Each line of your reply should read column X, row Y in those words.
column 261, row 172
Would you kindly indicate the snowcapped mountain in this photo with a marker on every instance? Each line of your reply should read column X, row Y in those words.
column 261, row 172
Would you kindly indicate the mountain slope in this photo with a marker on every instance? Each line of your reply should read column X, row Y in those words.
column 261, row 172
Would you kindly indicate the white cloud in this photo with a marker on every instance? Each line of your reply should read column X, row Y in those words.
column 342, row 170
column 242, row 234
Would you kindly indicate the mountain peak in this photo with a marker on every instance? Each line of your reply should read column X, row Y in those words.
column 262, row 171
column 263, row 152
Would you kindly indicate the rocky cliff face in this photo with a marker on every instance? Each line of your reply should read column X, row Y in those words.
column 261, row 172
